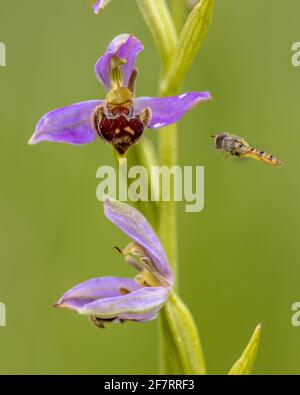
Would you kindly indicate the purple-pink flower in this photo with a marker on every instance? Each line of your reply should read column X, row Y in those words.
column 119, row 299
column 119, row 119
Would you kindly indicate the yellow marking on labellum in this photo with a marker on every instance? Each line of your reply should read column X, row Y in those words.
column 117, row 130
column 129, row 130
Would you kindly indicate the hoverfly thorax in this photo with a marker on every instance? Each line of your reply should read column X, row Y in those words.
column 115, row 121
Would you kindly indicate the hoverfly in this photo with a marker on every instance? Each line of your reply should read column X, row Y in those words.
column 237, row 146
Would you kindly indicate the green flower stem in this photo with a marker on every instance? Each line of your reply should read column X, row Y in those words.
column 182, row 350
column 159, row 20
column 157, row 16
column 178, row 12
column 144, row 154
column 168, row 215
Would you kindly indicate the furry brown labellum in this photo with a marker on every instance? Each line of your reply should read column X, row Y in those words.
column 119, row 126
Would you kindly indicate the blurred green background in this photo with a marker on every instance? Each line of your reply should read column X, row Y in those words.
column 239, row 258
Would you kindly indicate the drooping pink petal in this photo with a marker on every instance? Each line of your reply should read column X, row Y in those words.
column 96, row 289
column 71, row 124
column 140, row 305
column 124, row 46
column 135, row 225
column 168, row 110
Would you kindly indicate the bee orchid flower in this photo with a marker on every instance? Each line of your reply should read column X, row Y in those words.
column 119, row 119
column 118, row 299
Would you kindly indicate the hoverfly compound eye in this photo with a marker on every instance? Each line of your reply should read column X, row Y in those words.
column 219, row 138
